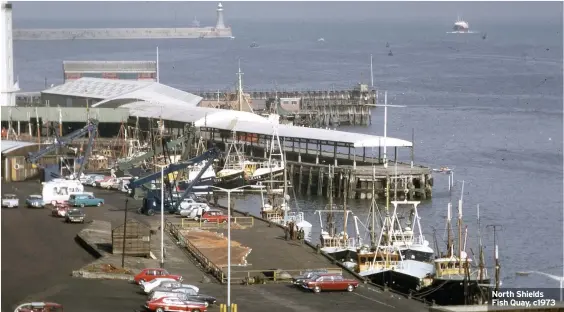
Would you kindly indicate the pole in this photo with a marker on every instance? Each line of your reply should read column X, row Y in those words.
column 385, row 129
column 371, row 73
column 158, row 72
column 229, row 251
column 162, row 217
column 124, row 233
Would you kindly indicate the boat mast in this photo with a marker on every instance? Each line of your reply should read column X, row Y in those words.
column 450, row 247
column 330, row 224
column 480, row 242
column 373, row 228
column 240, row 87
column 345, row 218
column 460, row 228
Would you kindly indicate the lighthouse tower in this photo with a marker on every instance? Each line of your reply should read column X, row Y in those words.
column 220, row 24
column 7, row 86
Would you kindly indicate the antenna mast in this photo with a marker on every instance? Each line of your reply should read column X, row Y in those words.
column 371, row 73
column 460, row 227
column 496, row 256
column 158, row 72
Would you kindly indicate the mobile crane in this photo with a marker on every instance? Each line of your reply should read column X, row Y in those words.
column 90, row 128
column 152, row 197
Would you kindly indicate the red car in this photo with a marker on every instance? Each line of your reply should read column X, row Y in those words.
column 334, row 282
column 174, row 304
column 148, row 275
column 60, row 211
column 214, row 215
column 40, row 307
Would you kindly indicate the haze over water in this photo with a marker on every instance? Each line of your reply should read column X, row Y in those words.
column 491, row 109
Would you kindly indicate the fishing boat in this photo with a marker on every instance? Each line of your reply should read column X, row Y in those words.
column 236, row 168
column 195, row 23
column 254, row 45
column 456, row 281
column 274, row 166
column 390, row 53
column 338, row 245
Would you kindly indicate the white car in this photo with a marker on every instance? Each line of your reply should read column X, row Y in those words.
column 166, row 288
column 161, row 282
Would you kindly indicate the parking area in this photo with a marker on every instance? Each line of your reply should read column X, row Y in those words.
column 39, row 253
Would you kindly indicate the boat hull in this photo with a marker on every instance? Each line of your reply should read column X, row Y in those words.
column 233, row 180
column 341, row 254
column 451, row 292
column 202, row 187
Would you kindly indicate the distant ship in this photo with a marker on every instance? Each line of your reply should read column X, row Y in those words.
column 460, row 26
column 321, row 40
column 254, row 45
column 390, row 53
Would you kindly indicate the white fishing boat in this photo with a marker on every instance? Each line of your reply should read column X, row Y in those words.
column 274, row 166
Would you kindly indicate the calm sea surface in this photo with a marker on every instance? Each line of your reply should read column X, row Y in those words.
column 491, row 109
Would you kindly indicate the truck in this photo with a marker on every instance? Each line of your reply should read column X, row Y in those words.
column 10, row 201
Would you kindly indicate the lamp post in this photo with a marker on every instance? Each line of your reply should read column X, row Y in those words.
column 229, row 191
column 162, row 215
column 554, row 277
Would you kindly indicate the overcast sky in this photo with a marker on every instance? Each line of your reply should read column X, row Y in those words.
column 343, row 10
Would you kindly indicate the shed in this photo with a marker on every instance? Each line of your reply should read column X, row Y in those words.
column 137, row 239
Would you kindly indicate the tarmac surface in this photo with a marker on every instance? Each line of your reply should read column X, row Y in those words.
column 39, row 253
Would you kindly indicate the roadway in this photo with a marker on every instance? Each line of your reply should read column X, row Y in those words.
column 39, row 253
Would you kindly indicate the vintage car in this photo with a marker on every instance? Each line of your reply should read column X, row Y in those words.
column 75, row 215
column 148, row 287
column 35, row 201
column 84, row 200
column 39, row 307
column 10, row 201
column 174, row 304
column 298, row 280
column 149, row 274
column 91, row 181
column 332, row 282
column 214, row 215
column 186, row 293
column 60, row 210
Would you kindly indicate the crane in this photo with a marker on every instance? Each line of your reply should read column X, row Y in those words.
column 208, row 156
column 90, row 128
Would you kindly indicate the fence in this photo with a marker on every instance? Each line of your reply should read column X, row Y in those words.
column 271, row 276
column 239, row 222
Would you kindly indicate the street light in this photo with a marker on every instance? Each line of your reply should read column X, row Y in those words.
column 229, row 191
column 554, row 277
column 162, row 214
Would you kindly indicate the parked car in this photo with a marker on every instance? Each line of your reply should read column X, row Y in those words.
column 191, row 209
column 75, row 215
column 333, row 282
column 162, row 283
column 60, row 210
column 93, row 179
column 149, row 274
column 105, row 183
column 187, row 293
column 39, row 307
column 34, row 201
column 10, row 201
column 174, row 304
column 170, row 284
column 299, row 279
column 214, row 215
column 84, row 200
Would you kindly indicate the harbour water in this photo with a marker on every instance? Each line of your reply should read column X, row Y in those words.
column 490, row 109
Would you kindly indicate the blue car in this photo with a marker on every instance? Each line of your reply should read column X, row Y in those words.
column 34, row 201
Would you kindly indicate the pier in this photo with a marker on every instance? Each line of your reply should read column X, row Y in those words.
column 313, row 108
column 219, row 31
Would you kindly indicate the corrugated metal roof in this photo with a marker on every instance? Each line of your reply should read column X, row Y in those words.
column 156, row 93
column 8, row 146
column 113, row 66
column 226, row 122
column 186, row 113
column 97, row 88
column 109, row 90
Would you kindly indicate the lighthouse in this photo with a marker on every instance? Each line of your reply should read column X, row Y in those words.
column 7, row 86
column 220, row 24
